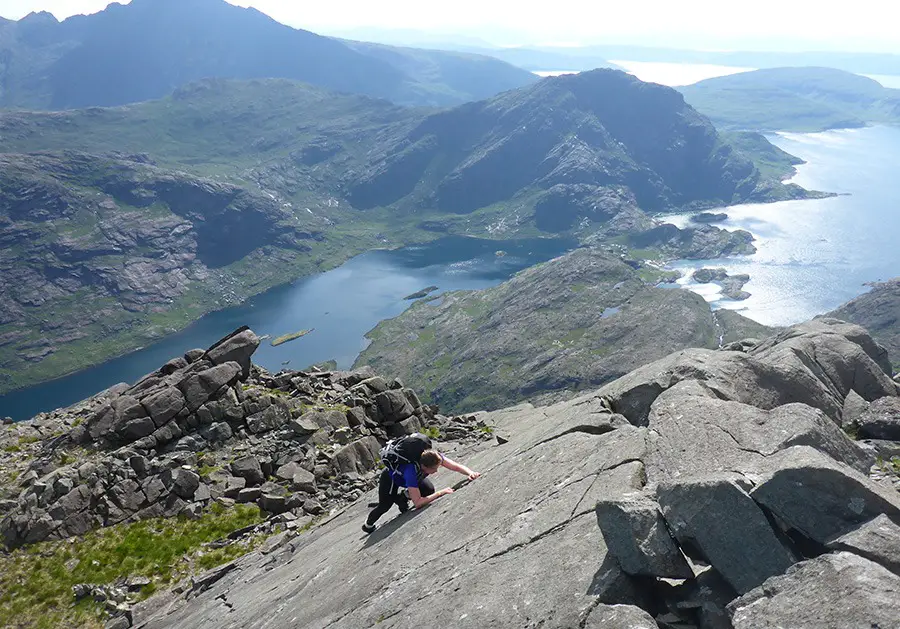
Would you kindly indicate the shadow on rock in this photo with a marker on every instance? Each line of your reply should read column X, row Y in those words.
column 386, row 529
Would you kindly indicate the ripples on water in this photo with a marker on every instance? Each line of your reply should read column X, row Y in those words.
column 814, row 255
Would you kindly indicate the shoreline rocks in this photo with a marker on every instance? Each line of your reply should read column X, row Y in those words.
column 731, row 284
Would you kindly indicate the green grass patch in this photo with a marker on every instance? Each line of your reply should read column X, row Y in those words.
column 432, row 432
column 36, row 584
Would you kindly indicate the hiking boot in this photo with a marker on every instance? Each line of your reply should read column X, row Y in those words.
column 368, row 528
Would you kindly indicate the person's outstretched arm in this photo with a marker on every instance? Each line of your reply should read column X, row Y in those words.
column 420, row 501
column 457, row 467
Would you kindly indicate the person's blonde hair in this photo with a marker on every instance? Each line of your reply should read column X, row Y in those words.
column 431, row 458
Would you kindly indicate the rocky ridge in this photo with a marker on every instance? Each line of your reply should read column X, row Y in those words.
column 206, row 428
column 568, row 325
column 131, row 236
column 711, row 489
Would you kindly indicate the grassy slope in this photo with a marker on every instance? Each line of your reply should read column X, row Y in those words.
column 771, row 161
column 36, row 581
column 794, row 99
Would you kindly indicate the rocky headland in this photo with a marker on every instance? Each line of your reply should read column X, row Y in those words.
column 567, row 325
column 711, row 488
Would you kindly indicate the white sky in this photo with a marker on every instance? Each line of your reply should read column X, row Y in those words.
column 861, row 25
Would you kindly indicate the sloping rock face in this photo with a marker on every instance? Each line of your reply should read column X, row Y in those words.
column 207, row 427
column 879, row 312
column 719, row 487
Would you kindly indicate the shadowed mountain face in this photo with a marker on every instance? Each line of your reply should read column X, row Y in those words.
column 600, row 128
column 147, row 48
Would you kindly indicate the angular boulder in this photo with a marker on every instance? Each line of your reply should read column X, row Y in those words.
column 248, row 468
column 854, row 407
column 718, row 519
column 163, row 405
column 619, row 617
column 877, row 540
column 819, row 497
column 393, row 406
column 361, row 456
column 200, row 387
column 834, row 591
column 636, row 535
column 237, row 347
column 881, row 420
column 184, row 483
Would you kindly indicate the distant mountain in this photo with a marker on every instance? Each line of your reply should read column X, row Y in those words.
column 147, row 48
column 156, row 212
column 861, row 63
column 794, row 99
column 446, row 78
column 580, row 144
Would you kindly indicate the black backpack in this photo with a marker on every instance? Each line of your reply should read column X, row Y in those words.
column 408, row 449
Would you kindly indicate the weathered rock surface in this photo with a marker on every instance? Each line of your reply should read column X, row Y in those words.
column 834, row 591
column 880, row 420
column 877, row 311
column 719, row 521
column 703, row 497
column 820, row 497
column 817, row 363
column 637, row 536
column 877, row 540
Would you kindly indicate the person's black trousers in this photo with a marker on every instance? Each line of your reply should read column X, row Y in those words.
column 390, row 494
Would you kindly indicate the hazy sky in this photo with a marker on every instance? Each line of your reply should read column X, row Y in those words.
column 863, row 25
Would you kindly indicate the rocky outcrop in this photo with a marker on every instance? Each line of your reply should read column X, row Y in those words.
column 731, row 284
column 877, row 311
column 816, row 363
column 830, row 592
column 199, row 431
column 720, row 508
column 701, row 243
column 570, row 324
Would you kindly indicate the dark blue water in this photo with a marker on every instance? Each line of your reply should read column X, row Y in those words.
column 340, row 305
